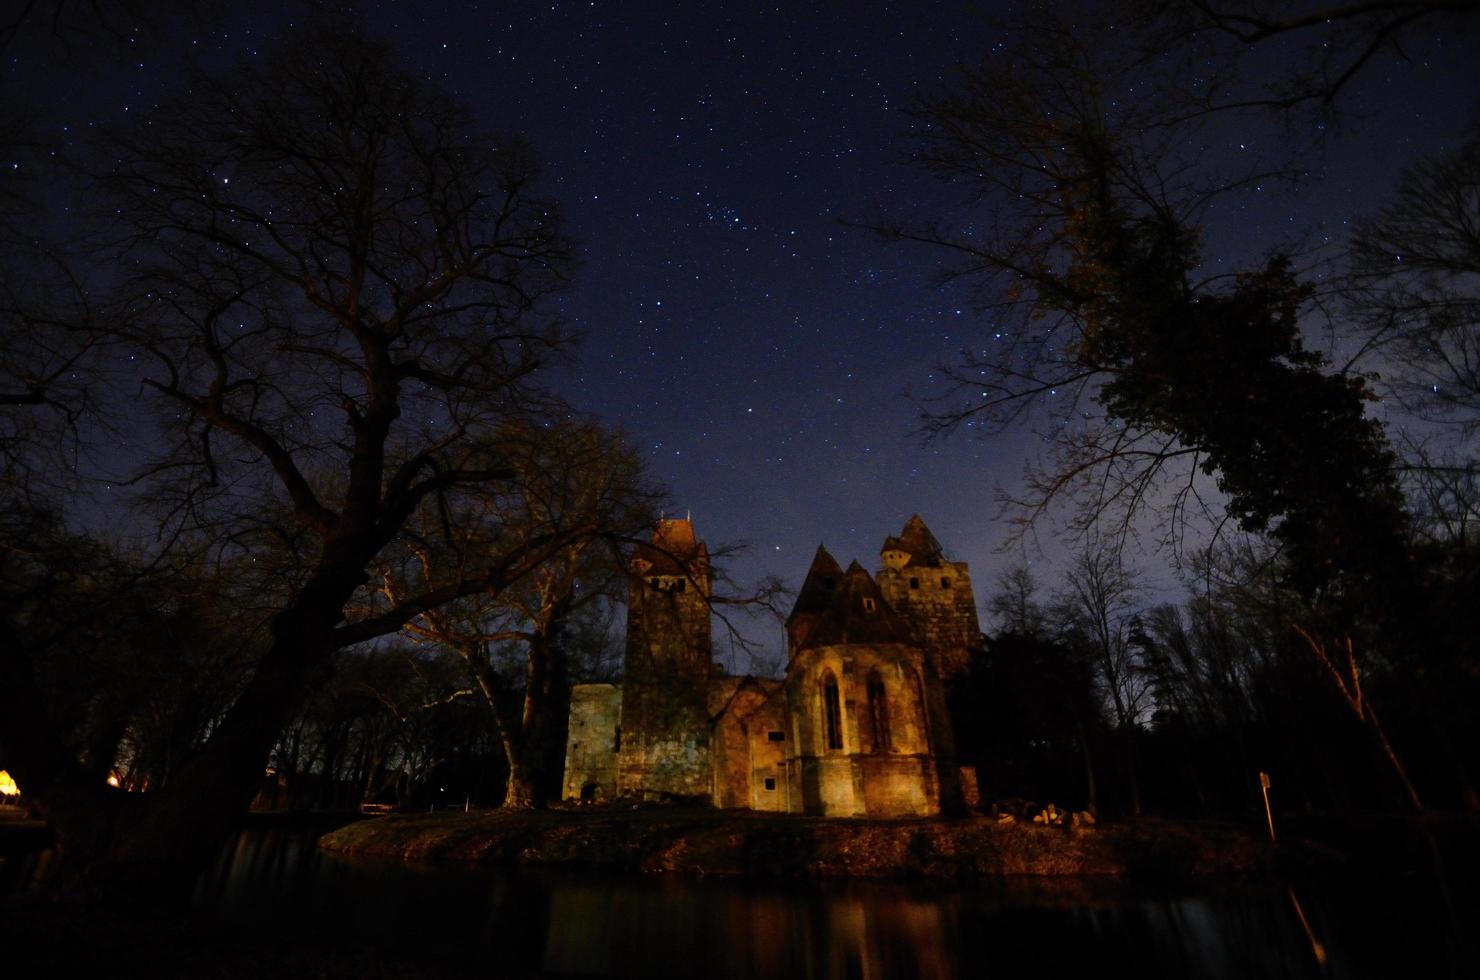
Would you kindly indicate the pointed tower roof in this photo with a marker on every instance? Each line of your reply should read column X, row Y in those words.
column 674, row 546
column 817, row 591
column 917, row 542
column 857, row 613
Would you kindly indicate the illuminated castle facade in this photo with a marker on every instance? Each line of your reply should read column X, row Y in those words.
column 857, row 727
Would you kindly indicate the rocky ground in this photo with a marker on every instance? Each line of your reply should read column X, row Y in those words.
column 737, row 843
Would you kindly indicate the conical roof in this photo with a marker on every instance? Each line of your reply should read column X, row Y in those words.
column 856, row 613
column 917, row 542
column 817, row 590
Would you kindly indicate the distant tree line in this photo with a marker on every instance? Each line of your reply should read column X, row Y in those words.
column 1094, row 698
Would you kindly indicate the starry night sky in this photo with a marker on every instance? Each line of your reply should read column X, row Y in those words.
column 708, row 157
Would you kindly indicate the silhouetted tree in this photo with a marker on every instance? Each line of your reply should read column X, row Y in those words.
column 1308, row 54
column 336, row 281
column 1029, row 718
column 1415, row 290
column 569, row 473
column 1096, row 616
column 1092, row 250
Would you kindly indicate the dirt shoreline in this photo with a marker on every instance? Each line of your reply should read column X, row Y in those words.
column 733, row 843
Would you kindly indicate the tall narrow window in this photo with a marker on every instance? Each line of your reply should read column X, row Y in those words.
column 878, row 712
column 832, row 712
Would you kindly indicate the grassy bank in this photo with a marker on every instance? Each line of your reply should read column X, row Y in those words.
column 770, row 846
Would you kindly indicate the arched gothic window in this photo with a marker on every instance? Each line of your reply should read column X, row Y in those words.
column 832, row 712
column 878, row 711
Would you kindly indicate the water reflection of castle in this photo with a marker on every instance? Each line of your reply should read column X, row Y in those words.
column 660, row 928
column 857, row 727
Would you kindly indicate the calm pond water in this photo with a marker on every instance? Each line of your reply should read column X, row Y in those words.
column 278, row 883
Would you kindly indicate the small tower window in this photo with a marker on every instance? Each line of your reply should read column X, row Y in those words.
column 770, row 783
column 914, row 583
column 945, row 582
column 832, row 712
column 679, row 585
column 868, row 604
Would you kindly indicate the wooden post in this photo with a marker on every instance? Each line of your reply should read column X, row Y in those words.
column 1316, row 946
column 1268, row 814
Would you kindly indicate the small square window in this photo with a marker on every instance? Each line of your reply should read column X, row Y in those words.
column 775, row 736
column 914, row 583
column 770, row 783
column 868, row 605
column 945, row 583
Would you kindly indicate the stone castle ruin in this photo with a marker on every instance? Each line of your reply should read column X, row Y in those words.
column 857, row 727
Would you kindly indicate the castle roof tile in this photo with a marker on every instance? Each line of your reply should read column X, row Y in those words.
column 856, row 613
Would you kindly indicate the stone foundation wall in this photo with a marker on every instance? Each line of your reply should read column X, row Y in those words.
column 769, row 787
column 742, row 755
column 664, row 739
column 590, row 746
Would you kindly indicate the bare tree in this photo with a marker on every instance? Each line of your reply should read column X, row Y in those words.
column 1014, row 605
column 336, row 280
column 571, row 473
column 1098, row 614
column 1414, row 288
column 1291, row 58
column 1043, row 141
column 1086, row 250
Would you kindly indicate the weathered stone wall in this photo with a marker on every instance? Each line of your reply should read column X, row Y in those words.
column 665, row 739
column 898, row 785
column 590, row 746
column 665, row 716
column 667, row 627
column 872, row 774
column 740, row 764
column 940, row 605
column 769, row 787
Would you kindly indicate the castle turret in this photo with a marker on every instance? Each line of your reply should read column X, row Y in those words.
column 934, row 595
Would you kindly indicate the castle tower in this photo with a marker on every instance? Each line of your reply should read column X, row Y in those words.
column 663, row 741
column 934, row 594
